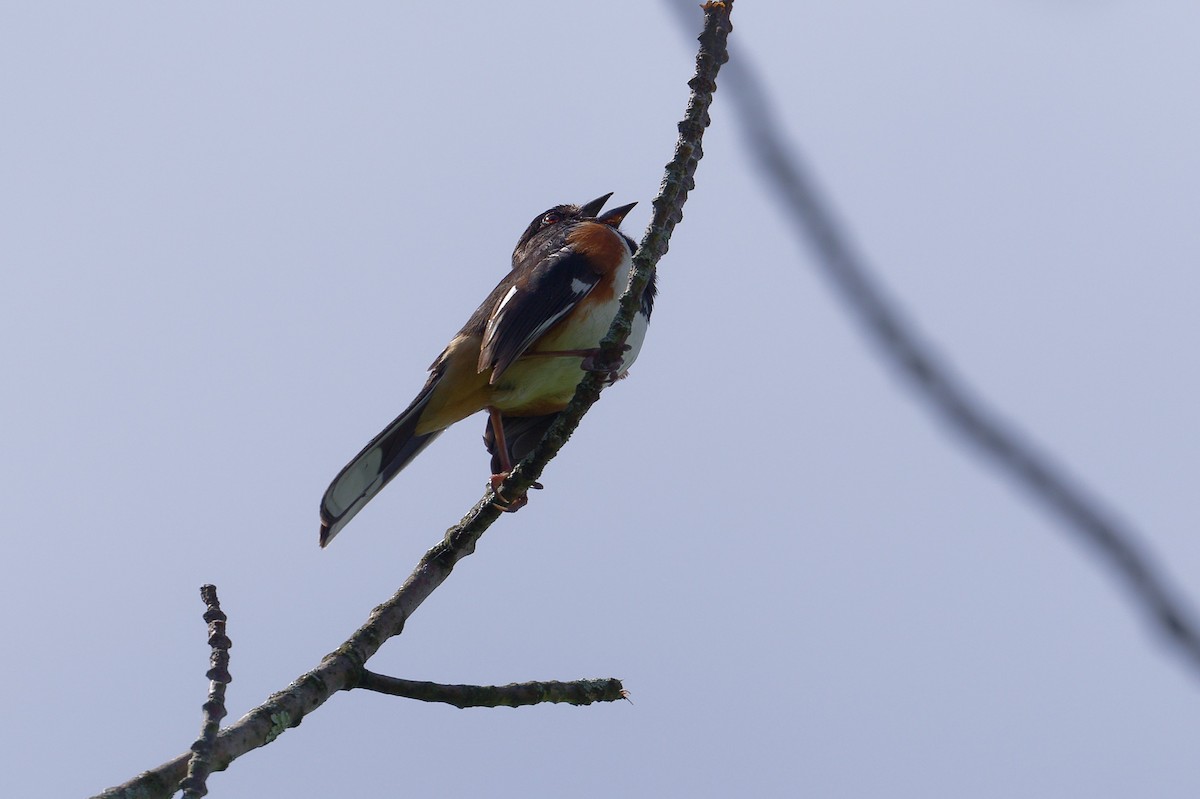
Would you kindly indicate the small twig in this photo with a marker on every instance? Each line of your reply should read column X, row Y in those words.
column 576, row 692
column 194, row 785
column 342, row 669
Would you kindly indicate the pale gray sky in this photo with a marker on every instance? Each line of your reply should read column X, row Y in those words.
column 234, row 235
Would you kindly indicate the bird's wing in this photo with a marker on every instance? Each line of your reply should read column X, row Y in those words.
column 532, row 305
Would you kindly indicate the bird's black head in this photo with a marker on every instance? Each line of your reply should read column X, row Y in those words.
column 561, row 217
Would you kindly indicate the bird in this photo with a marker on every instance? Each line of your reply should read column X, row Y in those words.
column 519, row 357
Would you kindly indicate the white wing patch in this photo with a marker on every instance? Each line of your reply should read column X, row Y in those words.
column 497, row 314
column 512, row 292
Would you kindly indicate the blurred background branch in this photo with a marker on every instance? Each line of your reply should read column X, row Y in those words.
column 980, row 428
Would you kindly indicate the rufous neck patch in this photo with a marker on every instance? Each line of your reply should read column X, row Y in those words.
column 602, row 245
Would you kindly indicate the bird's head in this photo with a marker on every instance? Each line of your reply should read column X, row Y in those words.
column 561, row 218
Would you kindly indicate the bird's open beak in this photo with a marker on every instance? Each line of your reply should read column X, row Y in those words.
column 592, row 210
column 614, row 217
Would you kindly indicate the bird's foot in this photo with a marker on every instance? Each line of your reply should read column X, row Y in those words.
column 612, row 368
column 504, row 503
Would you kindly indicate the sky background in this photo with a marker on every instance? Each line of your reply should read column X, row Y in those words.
column 234, row 235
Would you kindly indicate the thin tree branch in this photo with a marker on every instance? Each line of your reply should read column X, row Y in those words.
column 668, row 210
column 342, row 669
column 218, row 675
column 933, row 380
column 576, row 692
column 339, row 670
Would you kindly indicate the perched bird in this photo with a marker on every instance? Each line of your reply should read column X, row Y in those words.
column 519, row 357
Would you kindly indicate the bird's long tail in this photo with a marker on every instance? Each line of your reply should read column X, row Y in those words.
column 371, row 469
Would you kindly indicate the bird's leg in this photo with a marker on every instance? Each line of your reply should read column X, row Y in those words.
column 505, row 504
column 591, row 360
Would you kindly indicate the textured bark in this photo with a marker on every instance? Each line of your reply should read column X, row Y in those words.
column 577, row 692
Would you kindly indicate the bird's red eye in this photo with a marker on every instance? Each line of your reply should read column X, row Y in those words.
column 551, row 218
